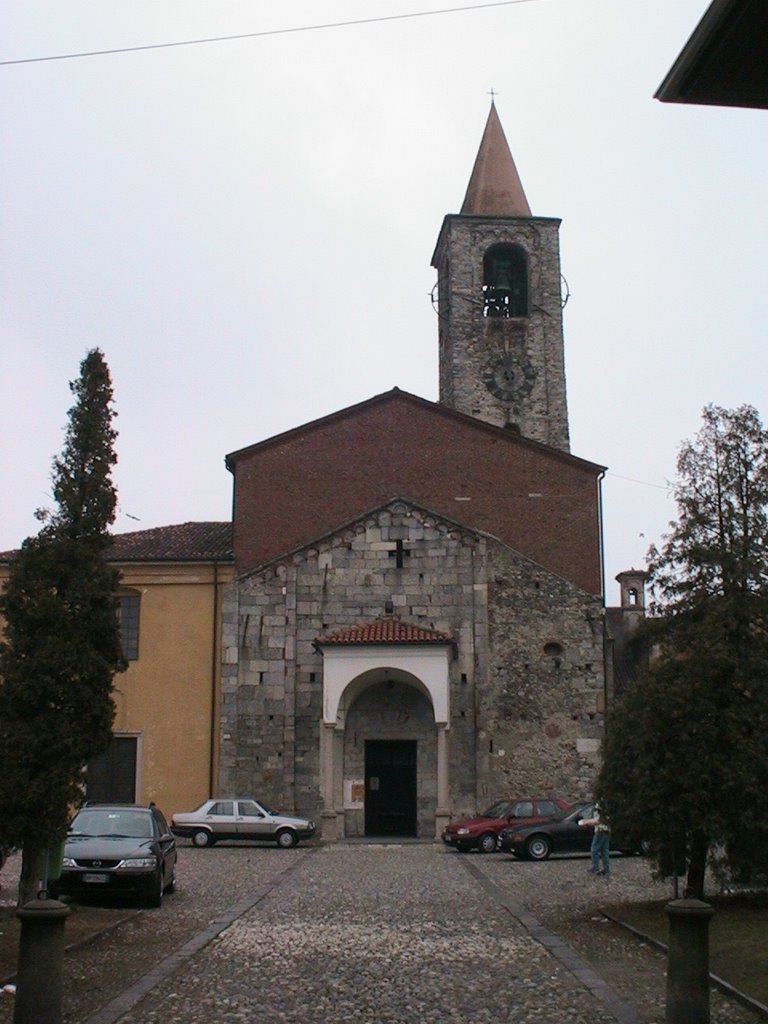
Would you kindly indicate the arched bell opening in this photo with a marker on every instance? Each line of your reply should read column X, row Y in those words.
column 505, row 281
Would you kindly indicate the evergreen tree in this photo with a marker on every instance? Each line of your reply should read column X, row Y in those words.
column 61, row 647
column 686, row 757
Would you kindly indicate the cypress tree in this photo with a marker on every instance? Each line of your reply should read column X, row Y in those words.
column 61, row 647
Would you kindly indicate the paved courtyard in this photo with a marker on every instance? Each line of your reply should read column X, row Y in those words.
column 377, row 934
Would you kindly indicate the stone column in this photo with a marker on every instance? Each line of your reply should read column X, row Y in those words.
column 338, row 780
column 40, row 975
column 443, row 780
column 327, row 780
column 688, row 962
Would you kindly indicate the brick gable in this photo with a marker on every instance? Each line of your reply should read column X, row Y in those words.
column 541, row 502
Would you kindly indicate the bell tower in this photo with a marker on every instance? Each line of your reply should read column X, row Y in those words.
column 499, row 303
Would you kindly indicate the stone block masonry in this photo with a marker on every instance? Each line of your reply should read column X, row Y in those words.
column 525, row 683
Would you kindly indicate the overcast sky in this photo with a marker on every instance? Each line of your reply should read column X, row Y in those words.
column 245, row 228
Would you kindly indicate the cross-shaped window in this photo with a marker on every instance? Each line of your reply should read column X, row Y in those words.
column 399, row 553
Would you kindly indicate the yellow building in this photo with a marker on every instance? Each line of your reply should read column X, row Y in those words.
column 165, row 745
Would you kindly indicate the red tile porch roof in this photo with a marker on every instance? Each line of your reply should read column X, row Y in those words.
column 384, row 631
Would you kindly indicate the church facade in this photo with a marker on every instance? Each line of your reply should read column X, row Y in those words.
column 416, row 622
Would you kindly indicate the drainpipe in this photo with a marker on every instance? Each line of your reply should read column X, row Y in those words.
column 601, row 553
column 475, row 678
column 607, row 655
column 214, row 662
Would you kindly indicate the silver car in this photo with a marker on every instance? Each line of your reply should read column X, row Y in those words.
column 240, row 818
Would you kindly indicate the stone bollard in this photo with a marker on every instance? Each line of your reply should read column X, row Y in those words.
column 40, row 975
column 688, row 962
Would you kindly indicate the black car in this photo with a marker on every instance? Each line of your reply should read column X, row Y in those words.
column 559, row 834
column 118, row 850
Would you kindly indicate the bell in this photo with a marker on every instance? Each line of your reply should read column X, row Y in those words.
column 502, row 279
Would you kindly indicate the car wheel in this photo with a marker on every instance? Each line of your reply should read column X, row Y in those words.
column 171, row 887
column 538, row 848
column 487, row 843
column 154, row 897
column 286, row 839
column 202, row 838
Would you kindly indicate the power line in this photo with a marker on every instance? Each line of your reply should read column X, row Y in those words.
column 267, row 32
column 645, row 483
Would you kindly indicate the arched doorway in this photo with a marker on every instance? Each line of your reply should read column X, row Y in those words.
column 385, row 723
column 390, row 759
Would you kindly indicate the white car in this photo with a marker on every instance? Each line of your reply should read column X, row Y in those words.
column 240, row 818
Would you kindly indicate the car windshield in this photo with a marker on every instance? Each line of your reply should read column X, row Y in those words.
column 116, row 823
column 496, row 810
column 580, row 811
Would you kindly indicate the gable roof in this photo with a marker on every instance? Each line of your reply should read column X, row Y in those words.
column 385, row 630
column 185, row 542
column 398, row 395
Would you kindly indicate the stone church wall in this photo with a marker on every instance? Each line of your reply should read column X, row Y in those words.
column 542, row 714
column 272, row 674
column 525, row 684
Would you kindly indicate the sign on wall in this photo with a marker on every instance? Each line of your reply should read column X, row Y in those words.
column 354, row 794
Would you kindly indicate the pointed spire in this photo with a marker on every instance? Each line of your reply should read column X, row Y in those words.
column 495, row 188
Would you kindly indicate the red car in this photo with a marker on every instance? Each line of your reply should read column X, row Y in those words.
column 483, row 831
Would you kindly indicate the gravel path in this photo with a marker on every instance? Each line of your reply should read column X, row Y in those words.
column 373, row 934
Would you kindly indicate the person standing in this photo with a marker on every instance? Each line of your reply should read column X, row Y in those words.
column 600, row 849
